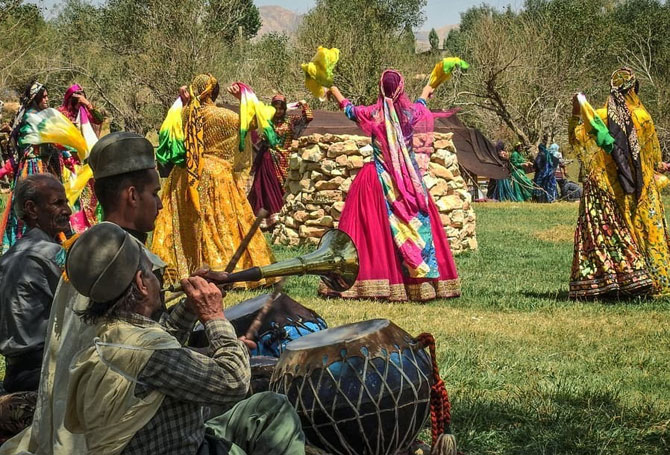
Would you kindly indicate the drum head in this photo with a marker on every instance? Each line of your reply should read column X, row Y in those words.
column 337, row 335
column 245, row 308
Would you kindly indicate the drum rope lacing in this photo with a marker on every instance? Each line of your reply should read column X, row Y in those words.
column 374, row 443
column 440, row 406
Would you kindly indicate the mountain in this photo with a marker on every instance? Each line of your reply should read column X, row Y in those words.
column 422, row 43
column 276, row 19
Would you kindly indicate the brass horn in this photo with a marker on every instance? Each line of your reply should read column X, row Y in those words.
column 335, row 260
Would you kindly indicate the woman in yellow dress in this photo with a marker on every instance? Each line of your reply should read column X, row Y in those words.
column 206, row 213
column 630, row 173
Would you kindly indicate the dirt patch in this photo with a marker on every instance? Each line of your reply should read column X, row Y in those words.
column 556, row 234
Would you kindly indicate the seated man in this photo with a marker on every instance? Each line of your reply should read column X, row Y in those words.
column 29, row 274
column 135, row 390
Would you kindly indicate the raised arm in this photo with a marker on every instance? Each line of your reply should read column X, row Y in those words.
column 184, row 374
column 427, row 92
column 334, row 93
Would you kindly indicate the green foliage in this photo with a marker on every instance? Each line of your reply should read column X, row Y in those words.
column 527, row 65
column 383, row 25
column 434, row 40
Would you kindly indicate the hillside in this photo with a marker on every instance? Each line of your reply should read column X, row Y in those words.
column 276, row 19
column 421, row 36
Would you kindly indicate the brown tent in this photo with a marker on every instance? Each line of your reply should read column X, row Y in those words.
column 476, row 154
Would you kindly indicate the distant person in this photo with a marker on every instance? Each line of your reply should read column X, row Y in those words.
column 270, row 165
column 545, row 164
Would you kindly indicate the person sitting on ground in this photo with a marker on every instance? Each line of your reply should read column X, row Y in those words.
column 29, row 274
column 135, row 390
column 127, row 186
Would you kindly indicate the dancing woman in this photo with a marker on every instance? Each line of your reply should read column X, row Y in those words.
column 206, row 213
column 271, row 163
column 33, row 159
column 403, row 251
column 607, row 259
column 80, row 111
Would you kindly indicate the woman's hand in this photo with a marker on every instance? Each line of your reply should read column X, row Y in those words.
column 427, row 92
column 184, row 94
column 235, row 91
column 334, row 92
column 575, row 105
column 82, row 101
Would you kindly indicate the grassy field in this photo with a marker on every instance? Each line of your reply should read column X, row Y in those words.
column 528, row 371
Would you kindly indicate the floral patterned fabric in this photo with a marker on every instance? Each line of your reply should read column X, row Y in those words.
column 643, row 216
column 606, row 260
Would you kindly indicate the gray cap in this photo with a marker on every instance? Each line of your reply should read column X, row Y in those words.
column 120, row 153
column 103, row 262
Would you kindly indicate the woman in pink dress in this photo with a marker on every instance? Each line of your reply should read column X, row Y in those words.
column 403, row 251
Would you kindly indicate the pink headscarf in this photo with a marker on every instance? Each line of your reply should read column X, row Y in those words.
column 67, row 110
column 411, row 194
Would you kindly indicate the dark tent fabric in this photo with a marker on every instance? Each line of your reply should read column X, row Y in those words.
column 475, row 152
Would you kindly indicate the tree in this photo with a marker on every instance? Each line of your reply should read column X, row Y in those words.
column 434, row 40
column 371, row 35
column 138, row 53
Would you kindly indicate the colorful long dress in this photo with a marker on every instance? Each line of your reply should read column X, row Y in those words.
column 187, row 238
column 644, row 213
column 522, row 186
column 606, row 260
column 546, row 189
column 86, row 211
column 35, row 159
column 396, row 262
column 271, row 164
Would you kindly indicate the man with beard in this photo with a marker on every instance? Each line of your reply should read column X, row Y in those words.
column 29, row 273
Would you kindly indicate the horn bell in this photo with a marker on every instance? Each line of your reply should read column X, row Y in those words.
column 335, row 260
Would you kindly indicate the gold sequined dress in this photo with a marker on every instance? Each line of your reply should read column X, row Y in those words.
column 185, row 239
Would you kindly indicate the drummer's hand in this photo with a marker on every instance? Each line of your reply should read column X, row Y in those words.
column 250, row 344
column 203, row 299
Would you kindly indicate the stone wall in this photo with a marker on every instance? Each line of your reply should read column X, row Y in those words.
column 321, row 170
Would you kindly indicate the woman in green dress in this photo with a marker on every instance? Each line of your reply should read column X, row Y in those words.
column 522, row 186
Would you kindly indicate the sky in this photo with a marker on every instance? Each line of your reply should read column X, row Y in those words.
column 438, row 12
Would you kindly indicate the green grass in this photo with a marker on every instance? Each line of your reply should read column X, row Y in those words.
column 528, row 371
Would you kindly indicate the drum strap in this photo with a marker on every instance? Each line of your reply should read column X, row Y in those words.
column 443, row 441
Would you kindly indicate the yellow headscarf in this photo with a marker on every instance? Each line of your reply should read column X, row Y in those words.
column 201, row 92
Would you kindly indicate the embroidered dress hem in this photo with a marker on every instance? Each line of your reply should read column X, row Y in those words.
column 383, row 289
column 381, row 274
column 636, row 283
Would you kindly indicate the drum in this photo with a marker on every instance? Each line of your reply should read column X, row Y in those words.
column 361, row 388
column 287, row 320
column 262, row 367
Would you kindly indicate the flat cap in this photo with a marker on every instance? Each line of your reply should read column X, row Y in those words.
column 103, row 262
column 120, row 153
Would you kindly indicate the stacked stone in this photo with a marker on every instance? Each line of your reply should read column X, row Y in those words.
column 322, row 167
